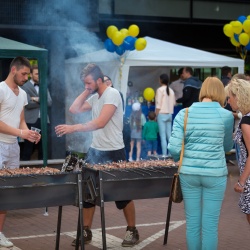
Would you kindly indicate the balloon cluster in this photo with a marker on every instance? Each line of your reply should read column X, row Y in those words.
column 239, row 33
column 124, row 39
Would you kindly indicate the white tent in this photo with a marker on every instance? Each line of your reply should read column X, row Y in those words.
column 142, row 68
column 158, row 57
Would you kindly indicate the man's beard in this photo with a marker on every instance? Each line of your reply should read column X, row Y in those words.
column 17, row 82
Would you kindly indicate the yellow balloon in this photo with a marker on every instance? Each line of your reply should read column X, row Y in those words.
column 124, row 31
column 228, row 30
column 248, row 17
column 149, row 94
column 117, row 38
column 140, row 44
column 237, row 27
column 234, row 42
column 133, row 30
column 110, row 30
column 246, row 25
column 244, row 39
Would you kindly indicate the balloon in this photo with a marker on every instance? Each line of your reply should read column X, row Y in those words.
column 237, row 27
column 129, row 43
column 248, row 17
column 236, row 37
column 124, row 32
column 242, row 19
column 246, row 25
column 133, row 30
column 247, row 46
column 110, row 30
column 117, row 38
column 120, row 50
column 109, row 45
column 244, row 39
column 140, row 44
column 234, row 42
column 149, row 94
column 228, row 30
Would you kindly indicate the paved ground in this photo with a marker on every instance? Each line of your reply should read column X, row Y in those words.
column 30, row 230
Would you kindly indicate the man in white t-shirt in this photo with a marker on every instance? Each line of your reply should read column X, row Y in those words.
column 107, row 144
column 12, row 122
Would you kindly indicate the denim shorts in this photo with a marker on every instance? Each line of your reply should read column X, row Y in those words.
column 151, row 145
column 9, row 155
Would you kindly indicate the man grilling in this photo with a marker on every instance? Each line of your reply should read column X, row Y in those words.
column 107, row 144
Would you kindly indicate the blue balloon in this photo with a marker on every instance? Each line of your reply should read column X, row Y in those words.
column 242, row 19
column 247, row 47
column 236, row 37
column 109, row 45
column 129, row 43
column 120, row 50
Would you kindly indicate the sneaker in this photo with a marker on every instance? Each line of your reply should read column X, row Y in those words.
column 137, row 159
column 4, row 242
column 130, row 159
column 131, row 237
column 87, row 236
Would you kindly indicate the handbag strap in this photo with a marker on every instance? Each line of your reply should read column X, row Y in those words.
column 182, row 147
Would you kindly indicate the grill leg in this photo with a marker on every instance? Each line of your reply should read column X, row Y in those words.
column 104, row 244
column 59, row 220
column 168, row 220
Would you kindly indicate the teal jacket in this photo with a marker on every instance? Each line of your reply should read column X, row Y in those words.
column 209, row 135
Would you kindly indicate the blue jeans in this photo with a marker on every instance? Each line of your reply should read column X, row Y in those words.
column 203, row 196
column 165, row 127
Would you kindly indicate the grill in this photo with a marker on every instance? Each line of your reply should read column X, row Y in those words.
column 101, row 186
column 34, row 191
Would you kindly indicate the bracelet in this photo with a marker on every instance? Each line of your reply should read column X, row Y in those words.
column 21, row 132
column 240, row 184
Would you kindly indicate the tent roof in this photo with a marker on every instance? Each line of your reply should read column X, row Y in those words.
column 7, row 44
column 161, row 53
column 158, row 52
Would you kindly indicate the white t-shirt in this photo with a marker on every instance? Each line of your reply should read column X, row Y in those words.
column 11, row 107
column 110, row 137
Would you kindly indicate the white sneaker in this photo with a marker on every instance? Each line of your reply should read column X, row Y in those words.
column 130, row 159
column 4, row 242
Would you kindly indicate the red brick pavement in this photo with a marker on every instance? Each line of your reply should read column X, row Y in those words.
column 30, row 230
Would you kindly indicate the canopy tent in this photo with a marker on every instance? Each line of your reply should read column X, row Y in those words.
column 158, row 54
column 12, row 49
column 142, row 68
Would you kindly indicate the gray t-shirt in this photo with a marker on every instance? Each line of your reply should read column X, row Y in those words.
column 110, row 137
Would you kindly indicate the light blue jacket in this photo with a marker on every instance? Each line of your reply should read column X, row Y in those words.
column 209, row 134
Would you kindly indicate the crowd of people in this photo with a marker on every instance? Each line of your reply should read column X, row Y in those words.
column 208, row 137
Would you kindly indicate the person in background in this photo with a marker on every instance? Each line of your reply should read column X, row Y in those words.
column 137, row 121
column 226, row 75
column 191, row 89
column 126, row 123
column 239, row 99
column 12, row 123
column 203, row 173
column 150, row 132
column 247, row 74
column 109, row 83
column 107, row 144
column 177, row 86
column 164, row 108
column 32, row 112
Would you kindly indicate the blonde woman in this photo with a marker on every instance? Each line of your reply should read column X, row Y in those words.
column 239, row 99
column 204, row 170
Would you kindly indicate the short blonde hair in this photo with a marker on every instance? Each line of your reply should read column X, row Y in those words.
column 241, row 90
column 213, row 89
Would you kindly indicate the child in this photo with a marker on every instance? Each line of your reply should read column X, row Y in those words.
column 137, row 120
column 149, row 134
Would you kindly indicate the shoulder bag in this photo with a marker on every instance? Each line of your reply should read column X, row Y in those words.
column 176, row 193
